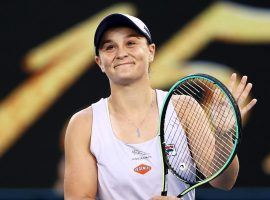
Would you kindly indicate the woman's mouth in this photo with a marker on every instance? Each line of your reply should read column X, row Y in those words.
column 123, row 64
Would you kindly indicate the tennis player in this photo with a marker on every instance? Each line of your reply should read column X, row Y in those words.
column 112, row 147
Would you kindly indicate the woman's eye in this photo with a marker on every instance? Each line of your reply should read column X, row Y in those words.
column 109, row 47
column 130, row 43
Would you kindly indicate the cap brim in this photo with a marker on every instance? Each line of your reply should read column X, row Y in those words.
column 116, row 20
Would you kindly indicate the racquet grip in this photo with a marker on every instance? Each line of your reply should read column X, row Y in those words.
column 164, row 193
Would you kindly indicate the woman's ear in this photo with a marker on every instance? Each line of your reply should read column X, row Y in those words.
column 152, row 49
column 98, row 61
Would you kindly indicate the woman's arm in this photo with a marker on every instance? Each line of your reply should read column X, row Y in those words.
column 80, row 180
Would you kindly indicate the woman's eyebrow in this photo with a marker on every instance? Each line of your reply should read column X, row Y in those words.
column 128, row 36
column 104, row 42
column 134, row 35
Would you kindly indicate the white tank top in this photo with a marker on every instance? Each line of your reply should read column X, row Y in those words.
column 128, row 171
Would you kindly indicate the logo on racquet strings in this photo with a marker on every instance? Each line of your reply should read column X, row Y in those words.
column 142, row 169
column 170, row 150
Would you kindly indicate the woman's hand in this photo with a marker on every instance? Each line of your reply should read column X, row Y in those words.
column 165, row 198
column 240, row 93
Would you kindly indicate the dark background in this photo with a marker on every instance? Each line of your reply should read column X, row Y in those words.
column 32, row 161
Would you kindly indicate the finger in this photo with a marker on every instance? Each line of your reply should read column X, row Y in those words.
column 156, row 198
column 232, row 82
column 173, row 198
column 160, row 198
column 165, row 198
column 240, row 88
column 216, row 95
column 248, row 107
column 244, row 94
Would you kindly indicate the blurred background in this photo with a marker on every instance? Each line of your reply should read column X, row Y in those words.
column 48, row 73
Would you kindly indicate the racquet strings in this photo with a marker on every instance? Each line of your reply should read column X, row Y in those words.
column 219, row 114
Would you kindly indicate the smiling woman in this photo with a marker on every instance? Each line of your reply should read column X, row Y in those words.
column 124, row 160
column 124, row 55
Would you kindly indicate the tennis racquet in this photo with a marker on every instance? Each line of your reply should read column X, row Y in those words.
column 200, row 130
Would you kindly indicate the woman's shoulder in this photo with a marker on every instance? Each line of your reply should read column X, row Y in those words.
column 85, row 115
column 82, row 116
column 80, row 124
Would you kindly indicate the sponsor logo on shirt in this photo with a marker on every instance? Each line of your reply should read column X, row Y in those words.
column 170, row 150
column 140, row 155
column 142, row 169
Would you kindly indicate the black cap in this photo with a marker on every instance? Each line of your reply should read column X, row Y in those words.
column 116, row 20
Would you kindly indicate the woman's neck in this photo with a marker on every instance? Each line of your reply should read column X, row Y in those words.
column 132, row 99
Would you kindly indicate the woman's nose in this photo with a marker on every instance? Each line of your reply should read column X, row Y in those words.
column 121, row 53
